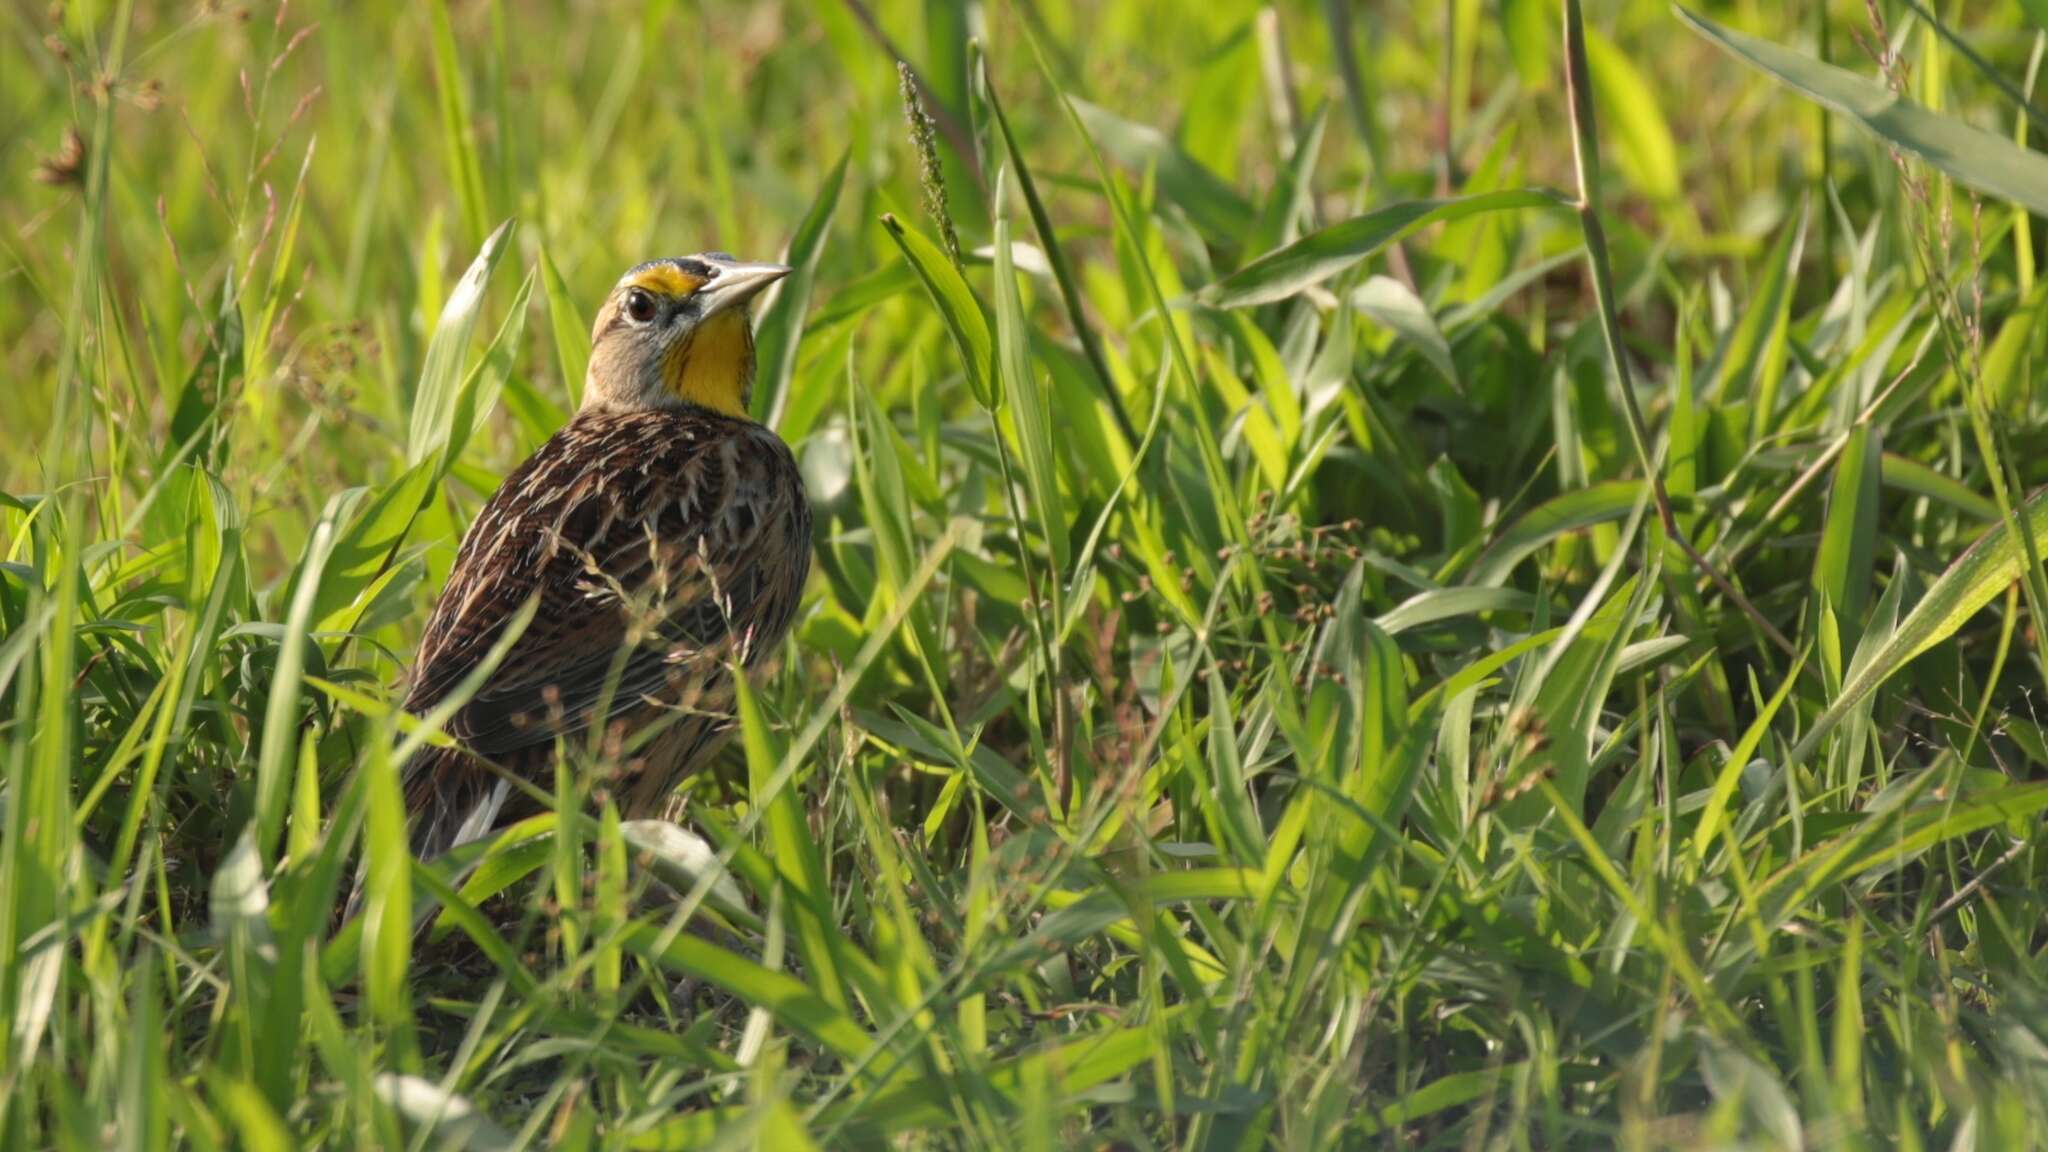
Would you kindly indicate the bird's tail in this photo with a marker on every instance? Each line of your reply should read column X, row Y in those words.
column 449, row 800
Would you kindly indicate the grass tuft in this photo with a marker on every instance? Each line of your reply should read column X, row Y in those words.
column 1317, row 639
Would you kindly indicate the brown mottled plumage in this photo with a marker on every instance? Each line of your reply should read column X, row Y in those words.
column 666, row 537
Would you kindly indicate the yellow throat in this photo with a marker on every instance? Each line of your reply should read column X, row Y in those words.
column 714, row 366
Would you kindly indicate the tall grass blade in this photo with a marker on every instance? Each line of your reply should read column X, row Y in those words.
column 781, row 327
column 1321, row 255
column 442, row 375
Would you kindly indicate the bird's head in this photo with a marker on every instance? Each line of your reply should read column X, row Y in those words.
column 675, row 332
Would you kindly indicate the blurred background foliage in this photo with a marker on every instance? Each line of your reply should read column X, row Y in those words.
column 1299, row 655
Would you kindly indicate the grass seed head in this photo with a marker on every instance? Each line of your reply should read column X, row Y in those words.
column 931, row 176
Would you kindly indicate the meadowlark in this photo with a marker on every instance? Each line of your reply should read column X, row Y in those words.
column 666, row 538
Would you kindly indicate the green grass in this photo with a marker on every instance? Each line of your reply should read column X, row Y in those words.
column 1417, row 581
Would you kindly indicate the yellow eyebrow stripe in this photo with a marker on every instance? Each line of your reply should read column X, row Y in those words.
column 666, row 279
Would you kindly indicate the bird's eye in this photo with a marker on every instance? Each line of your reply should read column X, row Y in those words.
column 639, row 306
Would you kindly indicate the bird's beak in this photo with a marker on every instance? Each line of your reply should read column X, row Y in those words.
column 736, row 284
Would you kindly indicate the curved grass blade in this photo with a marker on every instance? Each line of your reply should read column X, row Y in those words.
column 1731, row 769
column 1320, row 255
column 441, row 378
column 1983, row 160
column 1216, row 208
column 1977, row 577
column 793, row 1003
column 1572, row 512
column 957, row 305
column 1438, row 604
column 1909, row 475
column 281, row 712
column 480, row 388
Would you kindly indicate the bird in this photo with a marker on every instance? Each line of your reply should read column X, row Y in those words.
column 664, row 535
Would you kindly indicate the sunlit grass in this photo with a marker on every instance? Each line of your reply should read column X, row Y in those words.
column 1359, row 600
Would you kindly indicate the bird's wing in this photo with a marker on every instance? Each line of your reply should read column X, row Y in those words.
column 658, row 545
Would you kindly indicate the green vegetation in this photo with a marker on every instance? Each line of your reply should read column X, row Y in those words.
column 1344, row 615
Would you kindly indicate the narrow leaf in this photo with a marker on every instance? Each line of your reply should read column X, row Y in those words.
column 1320, row 255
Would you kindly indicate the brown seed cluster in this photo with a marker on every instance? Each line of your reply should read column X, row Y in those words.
column 66, row 166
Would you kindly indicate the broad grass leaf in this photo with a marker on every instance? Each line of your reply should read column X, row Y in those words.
column 257, row 365
column 228, row 583
column 458, row 131
column 1275, row 382
column 1629, row 104
column 2002, row 803
column 957, row 305
column 1440, row 1095
column 374, row 535
column 1897, row 835
column 2006, row 371
column 141, row 1114
column 509, row 857
column 1251, row 421
column 1290, row 206
column 198, row 402
column 1378, row 754
column 1216, row 208
column 1574, row 511
column 240, row 898
column 565, row 870
column 1439, row 604
column 796, row 1005
column 1983, row 160
column 878, row 470
column 1222, row 90
column 1530, row 41
column 1908, row 475
column 1320, row 255
column 947, row 69
column 1848, row 542
column 1397, row 307
column 386, row 955
column 255, row 1124
column 240, row 911
column 1088, row 427
column 1573, row 685
column 1485, row 305
column 1078, row 1065
column 1847, row 1047
column 457, row 912
column 1741, row 1082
